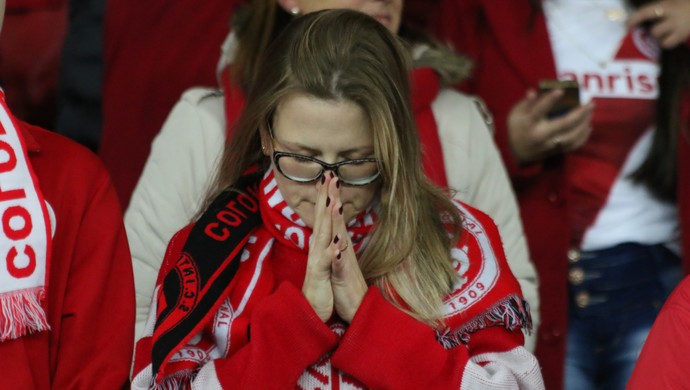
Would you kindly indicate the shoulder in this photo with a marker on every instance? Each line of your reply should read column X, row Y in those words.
column 453, row 107
column 198, row 94
column 679, row 301
column 210, row 99
column 448, row 99
column 198, row 114
column 203, row 105
column 58, row 156
column 69, row 175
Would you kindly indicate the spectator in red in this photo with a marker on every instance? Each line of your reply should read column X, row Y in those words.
column 66, row 284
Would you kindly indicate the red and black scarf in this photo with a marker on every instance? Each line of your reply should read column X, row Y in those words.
column 221, row 269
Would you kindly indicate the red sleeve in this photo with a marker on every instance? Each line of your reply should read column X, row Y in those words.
column 286, row 337
column 97, row 324
column 663, row 361
column 387, row 349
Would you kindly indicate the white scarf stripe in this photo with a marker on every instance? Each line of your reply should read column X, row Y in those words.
column 25, row 235
column 257, row 272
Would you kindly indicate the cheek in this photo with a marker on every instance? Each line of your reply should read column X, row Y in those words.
column 357, row 199
column 298, row 196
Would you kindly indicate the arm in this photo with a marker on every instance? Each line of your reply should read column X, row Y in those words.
column 95, row 346
column 478, row 174
column 277, row 332
column 387, row 349
column 286, row 337
column 172, row 186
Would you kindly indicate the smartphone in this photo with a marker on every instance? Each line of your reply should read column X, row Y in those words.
column 568, row 101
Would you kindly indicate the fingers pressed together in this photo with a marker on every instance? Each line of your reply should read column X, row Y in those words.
column 333, row 280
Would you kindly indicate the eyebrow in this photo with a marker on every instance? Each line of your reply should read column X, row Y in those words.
column 305, row 148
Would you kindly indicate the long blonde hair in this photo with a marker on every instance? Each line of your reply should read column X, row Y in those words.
column 346, row 55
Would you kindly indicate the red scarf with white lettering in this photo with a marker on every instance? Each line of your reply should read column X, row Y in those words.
column 235, row 229
column 172, row 350
column 25, row 236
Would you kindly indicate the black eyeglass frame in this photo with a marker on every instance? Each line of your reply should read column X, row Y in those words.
column 324, row 166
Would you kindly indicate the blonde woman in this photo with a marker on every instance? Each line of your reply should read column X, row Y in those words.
column 457, row 146
column 324, row 257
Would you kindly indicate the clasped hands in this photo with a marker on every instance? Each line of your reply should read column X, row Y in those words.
column 333, row 280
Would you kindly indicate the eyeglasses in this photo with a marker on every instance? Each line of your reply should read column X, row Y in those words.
column 305, row 169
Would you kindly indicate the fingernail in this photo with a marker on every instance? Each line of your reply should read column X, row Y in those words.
column 328, row 200
column 338, row 257
column 340, row 210
column 323, row 179
column 337, row 184
column 336, row 239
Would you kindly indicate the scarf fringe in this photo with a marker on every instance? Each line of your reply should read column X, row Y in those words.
column 511, row 312
column 21, row 313
column 181, row 380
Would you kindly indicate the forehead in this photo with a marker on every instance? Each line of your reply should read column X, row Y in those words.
column 310, row 120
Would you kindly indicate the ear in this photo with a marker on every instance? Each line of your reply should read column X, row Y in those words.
column 266, row 144
column 290, row 6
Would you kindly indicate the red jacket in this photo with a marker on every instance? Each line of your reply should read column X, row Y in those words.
column 511, row 48
column 276, row 341
column 663, row 361
column 90, row 297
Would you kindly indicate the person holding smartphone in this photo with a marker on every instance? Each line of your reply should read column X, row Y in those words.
column 602, row 187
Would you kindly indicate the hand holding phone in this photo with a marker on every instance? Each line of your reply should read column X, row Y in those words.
column 568, row 101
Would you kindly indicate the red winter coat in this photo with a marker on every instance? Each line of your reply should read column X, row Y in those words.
column 90, row 297
column 512, row 51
